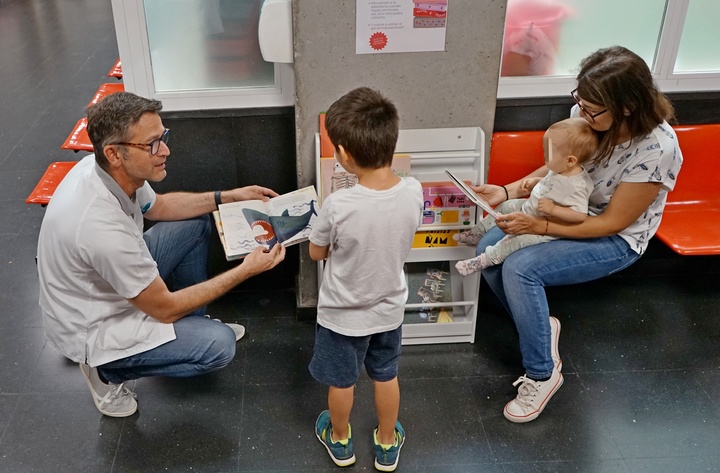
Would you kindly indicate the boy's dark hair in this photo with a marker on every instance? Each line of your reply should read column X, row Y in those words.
column 110, row 120
column 366, row 124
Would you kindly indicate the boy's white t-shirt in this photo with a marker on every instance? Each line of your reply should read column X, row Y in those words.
column 370, row 234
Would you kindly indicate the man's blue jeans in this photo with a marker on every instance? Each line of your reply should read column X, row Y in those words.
column 201, row 345
column 520, row 284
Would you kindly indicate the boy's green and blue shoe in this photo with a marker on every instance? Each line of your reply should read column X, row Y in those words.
column 342, row 453
column 386, row 459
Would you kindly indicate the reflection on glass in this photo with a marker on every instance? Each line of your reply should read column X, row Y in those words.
column 206, row 44
column 698, row 50
column 532, row 33
column 551, row 37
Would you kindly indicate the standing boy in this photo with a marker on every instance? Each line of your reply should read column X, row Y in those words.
column 365, row 232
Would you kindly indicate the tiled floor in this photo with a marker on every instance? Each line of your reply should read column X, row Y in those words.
column 640, row 349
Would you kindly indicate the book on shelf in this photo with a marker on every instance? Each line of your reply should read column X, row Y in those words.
column 327, row 150
column 334, row 177
column 434, row 239
column 428, row 283
column 286, row 219
column 446, row 205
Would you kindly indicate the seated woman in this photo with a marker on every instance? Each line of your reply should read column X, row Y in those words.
column 636, row 166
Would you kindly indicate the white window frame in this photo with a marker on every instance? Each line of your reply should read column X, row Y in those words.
column 662, row 69
column 134, row 49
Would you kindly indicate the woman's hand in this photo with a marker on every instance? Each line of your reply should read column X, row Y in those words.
column 493, row 194
column 518, row 223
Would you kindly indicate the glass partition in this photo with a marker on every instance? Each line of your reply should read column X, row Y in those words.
column 198, row 54
column 545, row 40
column 205, row 44
column 551, row 37
column 699, row 50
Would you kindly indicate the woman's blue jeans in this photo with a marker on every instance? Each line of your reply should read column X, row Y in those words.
column 201, row 345
column 520, row 284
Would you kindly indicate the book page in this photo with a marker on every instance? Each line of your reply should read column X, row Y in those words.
column 245, row 226
column 479, row 201
column 291, row 215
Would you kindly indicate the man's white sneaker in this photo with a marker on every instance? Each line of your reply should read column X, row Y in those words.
column 237, row 328
column 554, row 340
column 114, row 400
column 532, row 397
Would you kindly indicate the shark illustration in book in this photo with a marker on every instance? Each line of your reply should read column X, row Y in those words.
column 268, row 229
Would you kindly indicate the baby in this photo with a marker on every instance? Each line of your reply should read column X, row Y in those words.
column 562, row 194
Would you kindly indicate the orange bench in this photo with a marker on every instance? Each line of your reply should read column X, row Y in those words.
column 691, row 221
column 514, row 155
column 49, row 181
column 78, row 139
column 105, row 90
column 116, row 70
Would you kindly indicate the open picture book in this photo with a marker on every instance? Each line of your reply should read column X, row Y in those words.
column 474, row 198
column 286, row 219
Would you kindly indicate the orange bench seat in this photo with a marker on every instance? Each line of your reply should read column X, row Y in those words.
column 78, row 139
column 116, row 70
column 49, row 181
column 514, row 155
column 691, row 221
column 104, row 90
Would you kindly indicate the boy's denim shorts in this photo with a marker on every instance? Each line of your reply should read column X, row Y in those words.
column 337, row 359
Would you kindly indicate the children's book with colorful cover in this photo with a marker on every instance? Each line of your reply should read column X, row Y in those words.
column 286, row 219
column 327, row 150
column 334, row 177
column 428, row 283
column 445, row 205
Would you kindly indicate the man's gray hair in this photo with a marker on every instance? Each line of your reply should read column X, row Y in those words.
column 110, row 120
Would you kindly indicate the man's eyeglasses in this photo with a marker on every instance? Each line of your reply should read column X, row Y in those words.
column 154, row 144
column 591, row 116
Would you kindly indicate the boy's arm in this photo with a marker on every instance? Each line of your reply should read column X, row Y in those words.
column 318, row 253
column 566, row 214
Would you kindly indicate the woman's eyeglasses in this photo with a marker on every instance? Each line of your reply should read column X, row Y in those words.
column 591, row 116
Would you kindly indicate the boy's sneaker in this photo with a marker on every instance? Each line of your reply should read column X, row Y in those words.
column 554, row 340
column 342, row 455
column 114, row 400
column 387, row 459
column 532, row 397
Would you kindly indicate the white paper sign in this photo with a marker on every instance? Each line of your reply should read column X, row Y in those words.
column 396, row 26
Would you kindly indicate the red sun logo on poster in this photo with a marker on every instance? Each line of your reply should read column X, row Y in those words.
column 378, row 41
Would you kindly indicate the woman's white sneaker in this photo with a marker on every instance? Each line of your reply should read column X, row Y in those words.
column 532, row 397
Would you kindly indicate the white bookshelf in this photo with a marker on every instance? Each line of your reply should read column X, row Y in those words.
column 432, row 151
